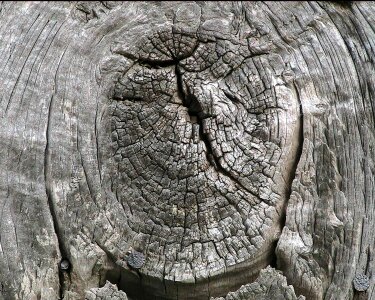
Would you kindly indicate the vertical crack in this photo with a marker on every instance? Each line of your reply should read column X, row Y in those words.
column 197, row 115
column 297, row 155
column 47, row 172
column 292, row 172
column 64, row 271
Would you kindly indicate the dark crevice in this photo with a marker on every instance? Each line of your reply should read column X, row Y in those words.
column 298, row 152
column 47, row 163
column 345, row 4
column 113, row 275
column 197, row 115
column 231, row 97
column 157, row 64
column 188, row 99
column 273, row 257
column 118, row 96
column 126, row 279
column 293, row 169
column 152, row 63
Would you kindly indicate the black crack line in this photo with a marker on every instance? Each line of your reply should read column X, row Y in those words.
column 47, row 172
column 297, row 156
column 292, row 173
column 196, row 112
column 47, row 181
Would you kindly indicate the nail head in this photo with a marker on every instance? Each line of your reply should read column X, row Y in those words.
column 136, row 260
column 64, row 264
column 361, row 283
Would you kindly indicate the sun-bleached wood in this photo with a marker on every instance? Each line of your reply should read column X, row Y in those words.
column 187, row 150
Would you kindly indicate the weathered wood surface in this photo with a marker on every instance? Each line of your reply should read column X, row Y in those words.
column 108, row 292
column 181, row 150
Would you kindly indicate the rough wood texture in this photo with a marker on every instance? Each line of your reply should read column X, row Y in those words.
column 269, row 285
column 107, row 292
column 177, row 149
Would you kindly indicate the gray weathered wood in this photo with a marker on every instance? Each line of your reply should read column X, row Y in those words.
column 186, row 150
column 107, row 292
column 269, row 285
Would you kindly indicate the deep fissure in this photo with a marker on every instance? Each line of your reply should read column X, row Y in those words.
column 292, row 173
column 297, row 158
column 197, row 115
column 47, row 164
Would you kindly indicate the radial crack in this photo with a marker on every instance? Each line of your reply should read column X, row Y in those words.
column 197, row 115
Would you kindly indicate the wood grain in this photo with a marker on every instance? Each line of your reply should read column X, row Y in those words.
column 186, row 150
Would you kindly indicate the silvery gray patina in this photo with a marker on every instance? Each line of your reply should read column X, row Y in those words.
column 186, row 150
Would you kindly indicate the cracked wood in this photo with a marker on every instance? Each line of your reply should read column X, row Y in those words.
column 204, row 140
